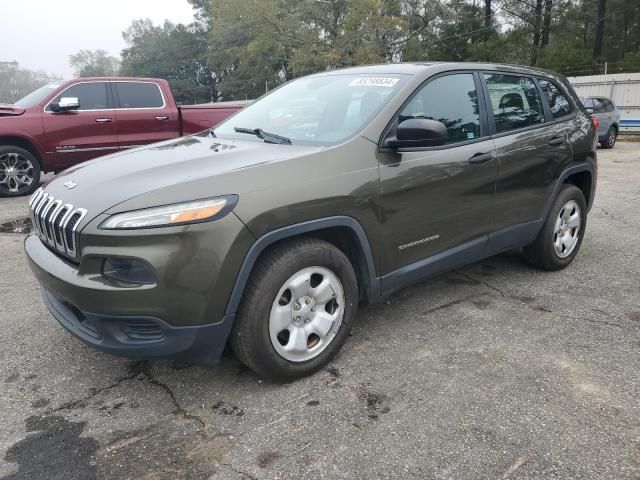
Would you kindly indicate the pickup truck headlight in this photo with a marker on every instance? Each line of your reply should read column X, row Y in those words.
column 169, row 215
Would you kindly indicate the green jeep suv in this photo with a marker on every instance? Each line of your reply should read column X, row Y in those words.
column 330, row 192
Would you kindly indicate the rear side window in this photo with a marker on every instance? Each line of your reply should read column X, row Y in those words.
column 515, row 101
column 91, row 96
column 452, row 100
column 138, row 95
column 596, row 104
column 558, row 102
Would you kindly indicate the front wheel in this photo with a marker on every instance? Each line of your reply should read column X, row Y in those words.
column 19, row 172
column 559, row 240
column 298, row 308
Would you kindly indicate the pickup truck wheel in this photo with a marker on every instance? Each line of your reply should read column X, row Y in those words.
column 297, row 311
column 610, row 141
column 561, row 236
column 19, row 172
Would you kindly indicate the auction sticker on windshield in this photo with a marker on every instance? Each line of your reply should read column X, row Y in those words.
column 374, row 82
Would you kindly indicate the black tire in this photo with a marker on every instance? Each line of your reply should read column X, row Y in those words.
column 610, row 141
column 250, row 338
column 541, row 252
column 11, row 186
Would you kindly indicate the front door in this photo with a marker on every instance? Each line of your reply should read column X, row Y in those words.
column 436, row 203
column 78, row 135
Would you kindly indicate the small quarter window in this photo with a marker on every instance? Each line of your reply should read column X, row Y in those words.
column 515, row 101
column 138, row 95
column 558, row 102
column 452, row 100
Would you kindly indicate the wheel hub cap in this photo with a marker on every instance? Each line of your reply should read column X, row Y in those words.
column 567, row 229
column 303, row 311
column 16, row 172
column 306, row 314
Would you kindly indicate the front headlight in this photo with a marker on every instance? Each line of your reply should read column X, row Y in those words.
column 170, row 215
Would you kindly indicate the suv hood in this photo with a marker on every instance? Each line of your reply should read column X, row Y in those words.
column 6, row 110
column 182, row 169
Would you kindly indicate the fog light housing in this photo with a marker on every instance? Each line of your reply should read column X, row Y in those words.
column 127, row 270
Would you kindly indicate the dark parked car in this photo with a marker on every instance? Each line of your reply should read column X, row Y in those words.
column 332, row 191
column 608, row 117
column 64, row 123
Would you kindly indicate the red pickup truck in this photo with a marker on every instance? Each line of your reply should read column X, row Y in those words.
column 64, row 123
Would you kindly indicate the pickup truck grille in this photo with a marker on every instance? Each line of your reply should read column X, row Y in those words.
column 56, row 222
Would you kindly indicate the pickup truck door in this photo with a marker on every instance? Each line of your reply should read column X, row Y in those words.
column 439, row 200
column 143, row 114
column 78, row 135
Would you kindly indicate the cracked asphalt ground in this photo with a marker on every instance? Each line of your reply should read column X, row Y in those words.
column 496, row 370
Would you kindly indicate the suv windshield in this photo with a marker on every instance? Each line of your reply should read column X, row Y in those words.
column 37, row 96
column 316, row 110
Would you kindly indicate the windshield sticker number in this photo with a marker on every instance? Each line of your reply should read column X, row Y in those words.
column 374, row 82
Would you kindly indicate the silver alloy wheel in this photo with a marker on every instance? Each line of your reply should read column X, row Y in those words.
column 612, row 137
column 306, row 314
column 16, row 172
column 567, row 229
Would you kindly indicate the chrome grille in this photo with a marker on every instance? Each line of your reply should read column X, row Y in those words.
column 56, row 222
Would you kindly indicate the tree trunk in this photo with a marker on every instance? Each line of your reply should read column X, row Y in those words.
column 487, row 19
column 597, row 47
column 626, row 35
column 546, row 23
column 537, row 24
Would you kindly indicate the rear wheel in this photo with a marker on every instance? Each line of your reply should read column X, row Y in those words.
column 19, row 172
column 298, row 308
column 559, row 240
column 612, row 136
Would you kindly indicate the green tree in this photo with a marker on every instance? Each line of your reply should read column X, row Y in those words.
column 240, row 49
column 94, row 63
column 177, row 53
column 16, row 82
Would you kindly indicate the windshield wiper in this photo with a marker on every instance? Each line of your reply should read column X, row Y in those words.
column 266, row 136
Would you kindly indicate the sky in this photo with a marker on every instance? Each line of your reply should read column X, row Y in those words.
column 41, row 34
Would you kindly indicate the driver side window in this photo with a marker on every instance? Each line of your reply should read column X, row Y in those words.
column 92, row 96
column 452, row 100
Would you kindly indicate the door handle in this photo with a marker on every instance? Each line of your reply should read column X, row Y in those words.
column 161, row 118
column 556, row 141
column 103, row 120
column 481, row 157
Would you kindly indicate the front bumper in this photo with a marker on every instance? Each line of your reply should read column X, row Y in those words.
column 141, row 337
column 181, row 315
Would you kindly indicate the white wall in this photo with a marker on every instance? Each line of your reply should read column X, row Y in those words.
column 622, row 88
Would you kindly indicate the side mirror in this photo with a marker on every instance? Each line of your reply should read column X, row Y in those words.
column 66, row 104
column 418, row 133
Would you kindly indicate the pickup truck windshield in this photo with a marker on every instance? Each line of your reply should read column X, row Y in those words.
column 319, row 110
column 37, row 96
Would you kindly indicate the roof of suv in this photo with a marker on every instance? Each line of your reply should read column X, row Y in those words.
column 412, row 68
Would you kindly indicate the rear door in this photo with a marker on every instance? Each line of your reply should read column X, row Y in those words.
column 532, row 144
column 78, row 135
column 437, row 198
column 143, row 114
column 611, row 112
